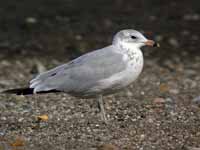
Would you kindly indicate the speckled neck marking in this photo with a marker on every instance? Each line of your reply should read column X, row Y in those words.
column 132, row 51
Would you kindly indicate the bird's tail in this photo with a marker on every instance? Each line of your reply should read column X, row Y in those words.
column 26, row 91
column 20, row 91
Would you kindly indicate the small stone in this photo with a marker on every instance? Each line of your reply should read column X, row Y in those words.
column 18, row 143
column 159, row 38
column 11, row 104
column 31, row 20
column 19, row 98
column 169, row 64
column 196, row 100
column 108, row 23
column 78, row 37
column 5, row 82
column 142, row 92
column 163, row 87
column 3, row 118
column 190, row 72
column 40, row 67
column 195, row 37
column 5, row 63
column 152, row 18
column 142, row 136
column 174, row 91
column 192, row 148
column 187, row 17
column 2, row 133
column 196, row 17
column 20, row 119
column 129, row 93
column 159, row 100
column 150, row 120
column 107, row 147
column 2, row 106
column 185, row 32
column 173, row 42
column 168, row 100
column 43, row 118
column 191, row 17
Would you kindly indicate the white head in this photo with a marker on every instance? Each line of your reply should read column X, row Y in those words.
column 132, row 38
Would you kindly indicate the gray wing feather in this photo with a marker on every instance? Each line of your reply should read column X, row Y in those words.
column 81, row 74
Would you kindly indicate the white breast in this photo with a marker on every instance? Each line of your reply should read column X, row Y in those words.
column 134, row 60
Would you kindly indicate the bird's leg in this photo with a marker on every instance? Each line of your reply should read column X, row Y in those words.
column 101, row 107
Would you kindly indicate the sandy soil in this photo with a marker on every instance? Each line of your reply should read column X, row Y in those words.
column 160, row 111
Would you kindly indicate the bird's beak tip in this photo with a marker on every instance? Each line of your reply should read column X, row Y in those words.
column 156, row 44
column 152, row 43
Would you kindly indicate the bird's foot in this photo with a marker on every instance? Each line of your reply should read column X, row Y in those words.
column 102, row 110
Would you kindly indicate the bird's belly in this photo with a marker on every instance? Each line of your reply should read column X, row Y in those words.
column 116, row 82
column 110, row 85
column 128, row 76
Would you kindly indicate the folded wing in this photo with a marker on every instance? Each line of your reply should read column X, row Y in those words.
column 81, row 74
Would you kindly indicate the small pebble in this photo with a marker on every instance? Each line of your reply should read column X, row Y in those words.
column 31, row 20
column 185, row 32
column 40, row 67
column 19, row 142
column 3, row 118
column 108, row 23
column 173, row 42
column 163, row 88
column 142, row 136
column 2, row 133
column 20, row 119
column 107, row 147
column 191, row 17
column 5, row 82
column 159, row 100
column 2, row 106
column 174, row 91
column 142, row 92
column 159, row 38
column 195, row 37
column 129, row 93
column 5, row 63
column 150, row 120
column 196, row 100
column 192, row 148
column 169, row 100
column 152, row 18
column 78, row 37
column 43, row 118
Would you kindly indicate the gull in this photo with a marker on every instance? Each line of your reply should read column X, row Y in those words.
column 95, row 74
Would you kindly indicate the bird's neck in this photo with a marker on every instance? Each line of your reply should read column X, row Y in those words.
column 129, row 46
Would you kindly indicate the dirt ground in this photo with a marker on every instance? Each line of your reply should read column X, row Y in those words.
column 160, row 111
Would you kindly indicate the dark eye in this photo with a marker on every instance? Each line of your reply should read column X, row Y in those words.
column 133, row 37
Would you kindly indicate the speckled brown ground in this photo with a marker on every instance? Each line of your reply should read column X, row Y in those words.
column 157, row 112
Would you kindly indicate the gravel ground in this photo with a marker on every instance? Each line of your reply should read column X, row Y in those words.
column 160, row 111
